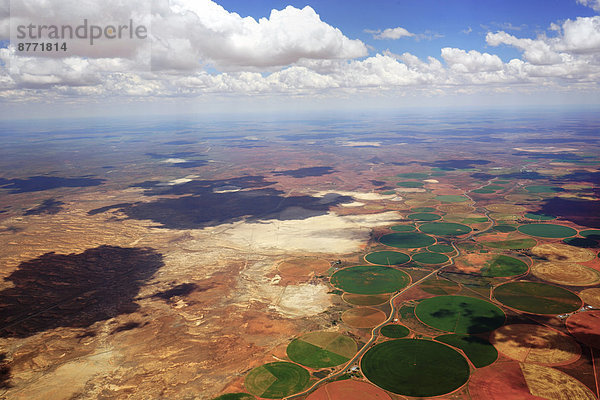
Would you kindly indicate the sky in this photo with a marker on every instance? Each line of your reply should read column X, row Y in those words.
column 250, row 56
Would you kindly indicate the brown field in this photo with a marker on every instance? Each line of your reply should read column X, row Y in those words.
column 591, row 296
column 569, row 274
column 562, row 253
column 363, row 317
column 421, row 203
column 456, row 208
column 500, row 381
column 535, row 344
column 550, row 383
column 303, row 267
column 348, row 390
column 585, row 327
column 365, row 299
column 472, row 262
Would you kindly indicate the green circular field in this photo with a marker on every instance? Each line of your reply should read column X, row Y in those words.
column 547, row 230
column 415, row 367
column 424, row 217
column 504, row 228
column 410, row 184
column 235, row 396
column 543, row 189
column 591, row 234
column 430, row 258
column 370, row 279
column 451, row 198
column 413, row 175
column 581, row 242
column 540, row 217
column 407, row 240
column 276, row 380
column 445, row 228
column 321, row 349
column 387, row 258
column 503, row 266
column 441, row 248
column 423, row 209
column 394, row 331
column 537, row 298
column 403, row 228
column 460, row 314
column 479, row 351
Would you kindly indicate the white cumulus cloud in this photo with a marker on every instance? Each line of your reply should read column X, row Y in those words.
column 390, row 33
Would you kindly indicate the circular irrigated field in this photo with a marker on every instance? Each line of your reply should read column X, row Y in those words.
column 410, row 184
column 430, row 258
column 403, row 228
column 511, row 244
column 591, row 297
column 459, row 314
column 479, row 351
column 370, row 279
column 348, row 389
column 424, row 217
column 591, row 233
column 450, row 198
column 537, row 298
column 321, row 349
column 503, row 208
column 585, row 327
column 395, row 331
column 439, row 286
column 363, row 317
column 365, row 299
column 543, row 189
column 547, row 230
column 407, row 240
column 303, row 266
column 539, row 216
column 276, row 380
column 445, row 228
column 441, row 248
column 569, row 274
column 535, row 344
column 423, row 209
column 387, row 258
column 414, row 367
column 413, row 175
column 581, row 242
column 562, row 253
column 503, row 266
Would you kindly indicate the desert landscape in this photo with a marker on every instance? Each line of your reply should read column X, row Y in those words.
column 356, row 259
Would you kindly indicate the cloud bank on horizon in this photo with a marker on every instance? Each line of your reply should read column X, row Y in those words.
column 199, row 48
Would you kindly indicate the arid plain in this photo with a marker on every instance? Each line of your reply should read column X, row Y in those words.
column 195, row 259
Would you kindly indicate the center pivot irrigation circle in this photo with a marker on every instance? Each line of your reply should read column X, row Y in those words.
column 276, row 380
column 321, row 349
column 537, row 298
column 407, row 240
column 445, row 228
column 370, row 279
column 460, row 314
column 415, row 367
column 547, row 230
